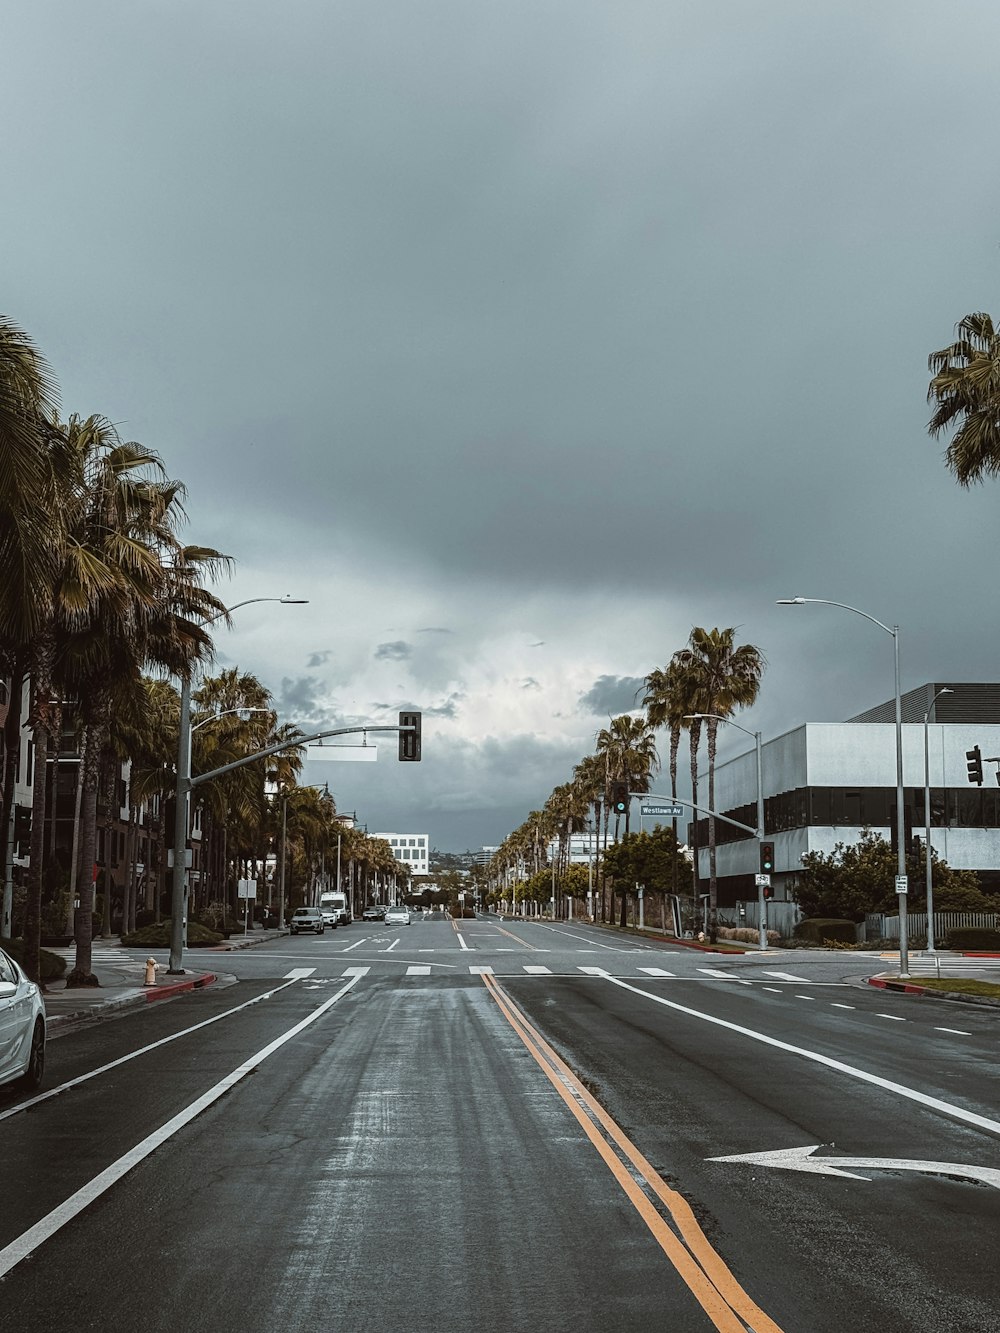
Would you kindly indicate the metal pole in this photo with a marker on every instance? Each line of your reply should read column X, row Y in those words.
column 904, row 954
column 281, row 882
column 761, row 900
column 927, row 819
column 182, row 789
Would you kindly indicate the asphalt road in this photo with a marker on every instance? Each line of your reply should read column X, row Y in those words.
column 512, row 1126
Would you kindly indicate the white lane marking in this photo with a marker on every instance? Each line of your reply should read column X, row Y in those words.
column 888, row 1085
column 956, row 1032
column 593, row 971
column 835, row 1005
column 715, row 972
column 786, row 976
column 418, row 970
column 297, row 973
column 354, row 946
column 655, row 972
column 806, row 997
column 481, row 971
column 462, row 941
column 356, row 971
column 773, row 989
column 802, row 1159
column 393, row 944
column 37, row 1235
column 123, row 1059
column 894, row 1017
column 527, row 967
column 615, row 948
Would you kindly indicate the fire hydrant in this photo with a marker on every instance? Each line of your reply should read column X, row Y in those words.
column 150, row 972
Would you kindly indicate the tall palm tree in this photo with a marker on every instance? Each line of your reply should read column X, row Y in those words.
column 965, row 390
column 724, row 677
column 669, row 700
column 628, row 748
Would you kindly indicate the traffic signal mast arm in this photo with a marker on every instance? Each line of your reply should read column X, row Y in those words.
column 296, row 744
column 678, row 800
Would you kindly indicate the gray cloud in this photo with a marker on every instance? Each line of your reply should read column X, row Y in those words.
column 397, row 651
column 319, row 659
column 303, row 702
column 530, row 683
column 435, row 629
column 611, row 695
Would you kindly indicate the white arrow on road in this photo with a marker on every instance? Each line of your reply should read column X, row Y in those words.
column 801, row 1159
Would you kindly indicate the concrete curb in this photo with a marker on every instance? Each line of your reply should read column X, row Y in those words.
column 132, row 998
column 907, row 988
column 177, row 987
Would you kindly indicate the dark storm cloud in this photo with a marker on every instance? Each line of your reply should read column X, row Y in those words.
column 435, row 629
column 319, row 659
column 397, row 651
column 301, row 702
column 611, row 695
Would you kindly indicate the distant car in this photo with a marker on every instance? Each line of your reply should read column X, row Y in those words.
column 307, row 918
column 22, row 1027
column 373, row 913
column 331, row 917
column 397, row 916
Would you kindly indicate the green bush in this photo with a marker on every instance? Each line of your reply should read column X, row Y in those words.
column 158, row 937
column 977, row 938
column 51, row 965
column 817, row 929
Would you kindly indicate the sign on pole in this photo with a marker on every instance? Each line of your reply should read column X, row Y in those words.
column 762, row 881
column 669, row 810
column 902, row 884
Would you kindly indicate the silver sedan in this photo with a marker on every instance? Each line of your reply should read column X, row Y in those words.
column 22, row 1026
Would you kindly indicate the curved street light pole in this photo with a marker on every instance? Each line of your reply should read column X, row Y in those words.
column 927, row 819
column 904, row 956
column 761, row 901
column 182, row 791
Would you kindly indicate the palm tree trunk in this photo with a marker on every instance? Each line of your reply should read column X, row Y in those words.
column 108, row 768
column 83, row 924
column 33, row 896
column 74, row 860
column 12, row 750
column 694, row 736
column 675, row 744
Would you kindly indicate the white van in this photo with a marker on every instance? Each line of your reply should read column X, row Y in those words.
column 336, row 902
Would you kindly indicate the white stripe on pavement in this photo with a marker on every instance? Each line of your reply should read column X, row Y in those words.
column 593, row 971
column 297, row 973
column 481, row 971
column 527, row 967
column 418, row 970
column 785, row 976
column 356, row 971
column 655, row 972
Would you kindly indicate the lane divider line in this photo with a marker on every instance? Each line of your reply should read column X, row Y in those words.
column 701, row 1267
column 132, row 1055
column 29, row 1241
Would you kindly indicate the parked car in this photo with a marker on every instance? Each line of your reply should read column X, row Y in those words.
column 307, row 918
column 397, row 916
column 22, row 1026
column 374, row 912
column 331, row 917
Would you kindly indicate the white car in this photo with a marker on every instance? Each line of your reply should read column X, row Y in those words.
column 22, row 1026
column 397, row 916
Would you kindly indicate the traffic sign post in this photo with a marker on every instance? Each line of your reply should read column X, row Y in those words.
column 666, row 810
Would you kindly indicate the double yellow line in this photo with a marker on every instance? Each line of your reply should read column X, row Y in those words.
column 701, row 1267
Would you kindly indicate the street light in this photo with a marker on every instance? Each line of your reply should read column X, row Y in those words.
column 901, row 886
column 761, row 903
column 182, row 790
column 927, row 818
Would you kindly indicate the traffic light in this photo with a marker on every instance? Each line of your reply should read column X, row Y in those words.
column 766, row 858
column 619, row 797
column 768, row 890
column 409, row 741
column 974, row 758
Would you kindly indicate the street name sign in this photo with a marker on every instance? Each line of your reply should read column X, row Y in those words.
column 671, row 811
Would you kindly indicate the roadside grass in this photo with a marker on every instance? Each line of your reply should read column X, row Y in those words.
column 961, row 986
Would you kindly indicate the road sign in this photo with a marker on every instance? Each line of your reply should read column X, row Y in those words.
column 671, row 811
column 762, row 881
column 901, row 884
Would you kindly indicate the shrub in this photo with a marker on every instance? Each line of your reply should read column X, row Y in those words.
column 818, row 929
column 158, row 937
column 747, row 934
column 980, row 938
column 51, row 965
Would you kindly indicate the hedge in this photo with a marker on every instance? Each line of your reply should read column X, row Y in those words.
column 980, row 938
column 158, row 937
column 51, row 965
column 819, row 928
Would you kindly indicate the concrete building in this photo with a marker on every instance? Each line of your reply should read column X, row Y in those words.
column 412, row 850
column 824, row 782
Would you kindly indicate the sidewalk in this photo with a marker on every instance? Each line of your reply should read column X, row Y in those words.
column 121, row 977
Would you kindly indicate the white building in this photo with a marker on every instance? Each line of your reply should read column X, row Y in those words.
column 412, row 850
column 824, row 782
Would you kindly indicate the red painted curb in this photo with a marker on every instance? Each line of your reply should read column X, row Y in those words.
column 968, row 953
column 903, row 986
column 176, row 988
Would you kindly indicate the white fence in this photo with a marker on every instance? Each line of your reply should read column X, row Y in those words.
column 879, row 927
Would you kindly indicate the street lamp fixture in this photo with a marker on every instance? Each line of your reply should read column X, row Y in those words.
column 761, row 902
column 901, row 883
column 927, row 819
column 182, row 791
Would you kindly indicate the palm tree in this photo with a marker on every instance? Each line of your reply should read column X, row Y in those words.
column 965, row 389
column 669, row 701
column 628, row 749
column 724, row 678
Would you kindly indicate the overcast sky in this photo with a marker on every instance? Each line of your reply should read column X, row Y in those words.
column 520, row 338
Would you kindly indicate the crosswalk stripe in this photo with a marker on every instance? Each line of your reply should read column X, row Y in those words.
column 785, row 976
column 528, row 968
column 714, row 972
column 481, row 971
column 418, row 970
column 356, row 971
column 655, row 972
column 593, row 971
column 298, row 973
